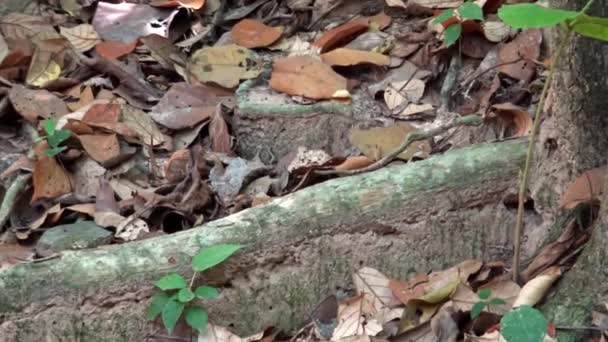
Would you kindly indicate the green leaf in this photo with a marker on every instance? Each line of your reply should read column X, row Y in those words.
column 497, row 301
column 51, row 152
column 171, row 281
column 211, row 256
column 533, row 16
column 59, row 136
column 185, row 295
column 452, row 33
column 484, row 293
column 592, row 27
column 49, row 126
column 477, row 309
column 525, row 324
column 206, row 292
column 197, row 318
column 445, row 15
column 157, row 303
column 171, row 313
column 470, row 10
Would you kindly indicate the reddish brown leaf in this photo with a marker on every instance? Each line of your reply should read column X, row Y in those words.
column 308, row 77
column 514, row 116
column 32, row 104
column 176, row 168
column 340, row 35
column 525, row 49
column 354, row 163
column 585, row 188
column 102, row 113
column 251, row 34
column 218, row 130
column 103, row 148
column 50, row 179
column 348, row 57
column 114, row 49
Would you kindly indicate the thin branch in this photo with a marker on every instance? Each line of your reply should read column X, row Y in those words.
column 10, row 198
column 525, row 175
column 409, row 139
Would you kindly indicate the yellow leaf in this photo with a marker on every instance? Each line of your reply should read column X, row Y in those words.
column 43, row 69
column 225, row 65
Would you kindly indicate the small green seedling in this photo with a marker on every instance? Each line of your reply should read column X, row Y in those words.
column 178, row 295
column 485, row 301
column 454, row 19
column 523, row 324
column 54, row 137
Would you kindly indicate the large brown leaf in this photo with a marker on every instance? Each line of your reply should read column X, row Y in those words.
column 308, row 77
column 585, row 188
column 348, row 57
column 50, row 179
column 251, row 34
column 525, row 49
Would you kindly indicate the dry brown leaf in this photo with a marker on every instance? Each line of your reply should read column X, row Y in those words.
column 114, row 49
column 308, row 77
column 514, row 116
column 12, row 254
column 176, row 167
column 380, row 20
column 375, row 288
column 84, row 97
column 224, row 65
column 496, row 31
column 50, row 179
column 585, row 188
column 33, row 104
column 164, row 51
column 23, row 26
column 141, row 123
column 103, row 148
column 45, row 67
column 352, row 320
column 218, row 130
column 131, row 228
column 23, row 163
column 348, row 57
column 464, row 298
column 251, row 34
column 525, row 46
column 192, row 4
column 377, row 142
column 215, row 333
column 340, row 35
column 402, row 97
column 82, row 37
column 408, row 290
column 354, row 163
column 535, row 289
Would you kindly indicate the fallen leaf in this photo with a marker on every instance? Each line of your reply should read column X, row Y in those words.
column 464, row 298
column 401, row 97
column 218, row 131
column 536, row 288
column 84, row 97
column 408, row 290
column 354, row 163
column 308, row 77
column 103, row 148
column 525, row 46
column 114, row 49
column 50, row 179
column 251, row 34
column 176, row 167
column 43, row 69
column 102, row 114
column 126, row 22
column 12, row 254
column 216, row 333
column 496, row 31
column 82, row 37
column 377, row 142
column 348, row 57
column 17, row 26
column 352, row 320
column 438, row 3
column 141, row 123
column 163, row 51
column 340, row 35
column 131, row 228
column 380, row 20
column 33, row 104
column 224, row 65
column 373, row 285
column 514, row 116
column 586, row 188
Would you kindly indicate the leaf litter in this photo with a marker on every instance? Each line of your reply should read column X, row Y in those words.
column 150, row 92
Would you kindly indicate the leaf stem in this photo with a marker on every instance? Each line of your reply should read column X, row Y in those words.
column 519, row 226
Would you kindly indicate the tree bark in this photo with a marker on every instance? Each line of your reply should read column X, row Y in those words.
column 402, row 220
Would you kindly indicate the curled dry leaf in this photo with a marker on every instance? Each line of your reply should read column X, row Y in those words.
column 514, row 116
column 585, row 188
column 103, row 148
column 401, row 97
column 114, row 49
column 224, row 65
column 535, row 289
column 218, row 130
column 348, row 57
column 50, row 179
column 352, row 320
column 525, row 48
column 375, row 288
column 251, row 34
column 377, row 142
column 82, row 37
column 340, row 35
column 308, row 77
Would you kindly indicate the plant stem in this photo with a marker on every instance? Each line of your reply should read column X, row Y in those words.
column 192, row 279
column 519, row 226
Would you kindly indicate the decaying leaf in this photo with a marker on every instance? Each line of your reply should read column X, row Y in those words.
column 163, row 51
column 352, row 320
column 218, row 130
column 348, row 57
column 340, row 34
column 464, row 298
column 216, row 333
column 375, row 288
column 586, row 188
column 402, row 97
column 50, row 179
column 131, row 228
column 308, row 77
column 354, row 163
column 85, row 96
column 44, row 68
column 146, row 129
column 114, row 49
column 33, row 104
column 103, row 148
column 377, row 142
column 224, row 65
column 525, row 49
column 23, row 26
column 514, row 116
column 82, row 37
column 252, row 34
column 536, row 288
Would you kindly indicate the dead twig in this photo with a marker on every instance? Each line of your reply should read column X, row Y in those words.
column 468, row 120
